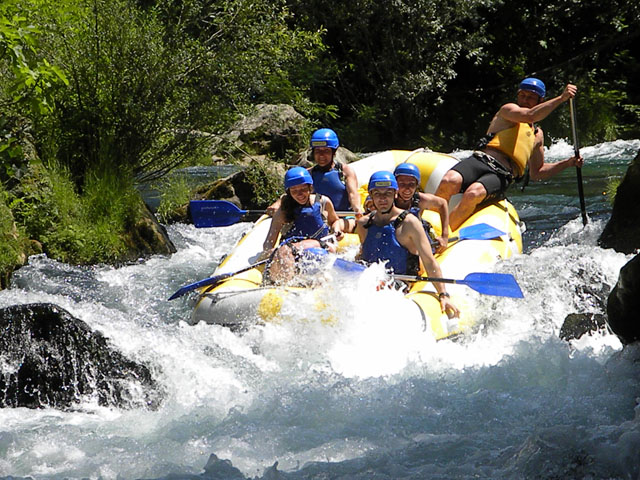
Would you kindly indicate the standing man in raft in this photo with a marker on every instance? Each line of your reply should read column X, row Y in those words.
column 512, row 143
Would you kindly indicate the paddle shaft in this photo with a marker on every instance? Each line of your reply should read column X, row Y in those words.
column 262, row 212
column 576, row 151
column 498, row 284
column 222, row 213
column 218, row 278
column 415, row 278
column 212, row 280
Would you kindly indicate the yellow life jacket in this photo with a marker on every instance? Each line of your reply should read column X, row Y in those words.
column 517, row 143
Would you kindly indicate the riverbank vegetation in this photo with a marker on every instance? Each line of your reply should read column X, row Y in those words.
column 103, row 94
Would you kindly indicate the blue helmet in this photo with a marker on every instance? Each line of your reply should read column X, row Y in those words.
column 408, row 169
column 533, row 85
column 382, row 179
column 325, row 137
column 297, row 176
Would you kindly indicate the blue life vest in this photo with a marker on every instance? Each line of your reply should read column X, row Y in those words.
column 330, row 183
column 308, row 220
column 381, row 244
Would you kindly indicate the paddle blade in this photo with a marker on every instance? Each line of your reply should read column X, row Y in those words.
column 347, row 266
column 481, row 231
column 497, row 284
column 214, row 213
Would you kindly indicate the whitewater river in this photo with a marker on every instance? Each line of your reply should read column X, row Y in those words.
column 368, row 397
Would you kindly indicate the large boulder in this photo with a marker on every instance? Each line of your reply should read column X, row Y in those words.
column 622, row 232
column 48, row 358
column 273, row 130
column 624, row 303
column 146, row 236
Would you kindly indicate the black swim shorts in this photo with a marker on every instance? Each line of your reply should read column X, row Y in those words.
column 473, row 169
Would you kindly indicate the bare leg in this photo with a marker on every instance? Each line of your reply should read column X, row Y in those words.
column 470, row 199
column 282, row 266
column 450, row 184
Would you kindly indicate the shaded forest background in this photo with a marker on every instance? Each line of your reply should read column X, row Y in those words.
column 121, row 82
column 103, row 94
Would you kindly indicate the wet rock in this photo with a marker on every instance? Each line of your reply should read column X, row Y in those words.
column 273, row 130
column 48, row 358
column 577, row 324
column 622, row 232
column 623, row 304
column 217, row 468
column 147, row 236
column 254, row 187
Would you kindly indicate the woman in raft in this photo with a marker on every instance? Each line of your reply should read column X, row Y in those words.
column 310, row 217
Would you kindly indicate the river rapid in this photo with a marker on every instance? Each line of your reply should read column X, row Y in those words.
column 368, row 397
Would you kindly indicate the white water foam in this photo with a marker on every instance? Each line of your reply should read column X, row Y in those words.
column 368, row 394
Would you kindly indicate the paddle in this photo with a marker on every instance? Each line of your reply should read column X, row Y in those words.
column 576, row 151
column 496, row 284
column 218, row 278
column 211, row 280
column 481, row 231
column 221, row 213
column 216, row 213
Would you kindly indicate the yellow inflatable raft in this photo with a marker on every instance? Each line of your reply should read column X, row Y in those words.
column 241, row 299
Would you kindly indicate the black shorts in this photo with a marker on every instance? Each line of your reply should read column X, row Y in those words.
column 474, row 170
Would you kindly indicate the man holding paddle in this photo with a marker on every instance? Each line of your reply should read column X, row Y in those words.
column 396, row 237
column 512, row 143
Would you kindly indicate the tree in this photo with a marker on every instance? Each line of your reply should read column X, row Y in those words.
column 393, row 62
column 28, row 83
column 150, row 84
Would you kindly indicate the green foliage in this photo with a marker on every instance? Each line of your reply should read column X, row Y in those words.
column 74, row 228
column 32, row 78
column 145, row 78
column 12, row 241
column 28, row 80
column 175, row 192
column 267, row 184
column 612, row 188
column 394, row 59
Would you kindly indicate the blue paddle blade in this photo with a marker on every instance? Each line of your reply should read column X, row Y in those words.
column 498, row 284
column 347, row 266
column 199, row 284
column 214, row 213
column 481, row 231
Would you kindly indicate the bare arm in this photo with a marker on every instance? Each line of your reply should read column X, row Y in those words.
column 539, row 170
column 412, row 228
column 351, row 182
column 333, row 220
column 437, row 204
column 360, row 230
column 277, row 222
column 513, row 113
column 273, row 208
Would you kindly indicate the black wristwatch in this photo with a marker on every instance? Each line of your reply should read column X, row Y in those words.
column 443, row 294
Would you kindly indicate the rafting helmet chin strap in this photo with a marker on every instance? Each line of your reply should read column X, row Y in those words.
column 390, row 208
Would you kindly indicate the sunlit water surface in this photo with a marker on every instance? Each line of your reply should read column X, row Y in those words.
column 370, row 396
